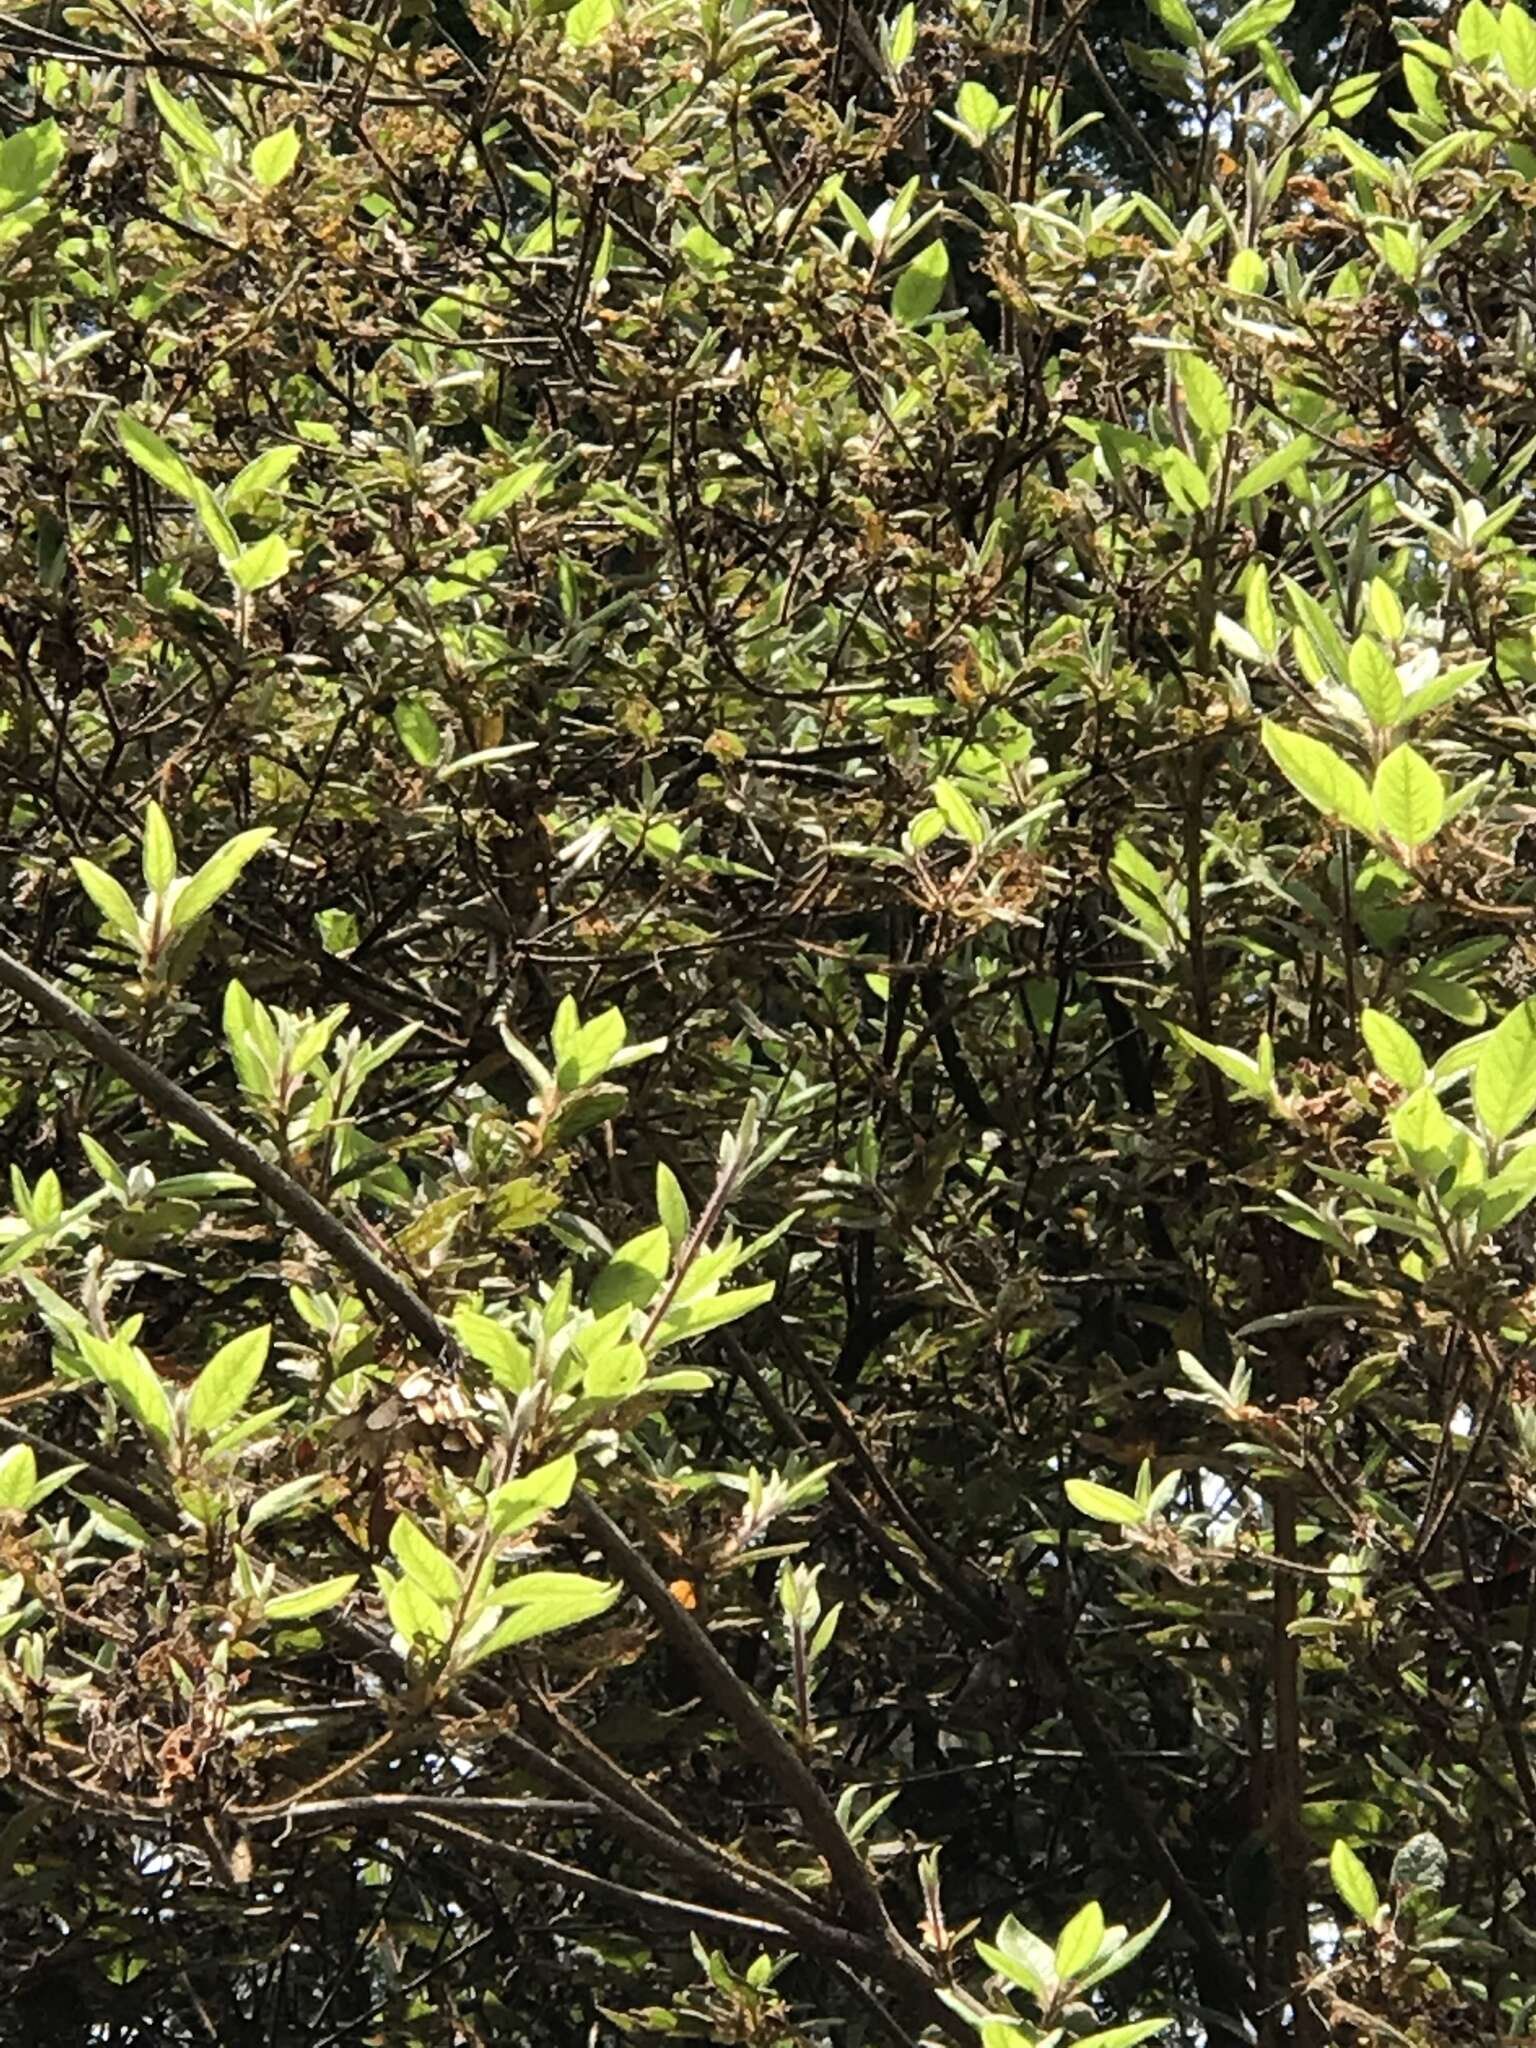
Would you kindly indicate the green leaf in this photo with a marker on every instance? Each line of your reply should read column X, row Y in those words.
column 1504, row 1080
column 920, row 286
column 1273, row 468
column 672, row 1205
column 635, row 1272
column 18, row 1476
column 1409, row 797
column 262, row 564
column 1103, row 1503
column 129, row 1376
column 1424, row 1134
column 157, row 458
column 420, row 1621
column 1078, row 1943
column 978, row 110
column 1353, row 1882
column 1249, row 25
column 901, row 38
column 1123, row 2037
column 418, row 731
column 1517, row 45
column 180, row 114
column 308, row 1600
column 261, row 476
column 224, row 1385
column 421, row 1561
column 1394, row 1050
column 959, row 813
column 1324, row 778
column 275, row 156
column 520, row 1501
column 159, row 848
column 1178, row 18
column 1205, row 397
column 1023, row 1958
column 1510, row 1191
column 692, row 1318
column 558, row 1600
column 1386, row 609
column 705, row 250
column 493, row 1345
column 1126, row 1952
column 506, row 490
column 1320, row 627
column 1373, row 678
column 1142, row 889
column 1248, row 1074
column 217, row 876
column 587, row 20
column 109, row 897
column 1477, row 30
column 28, row 161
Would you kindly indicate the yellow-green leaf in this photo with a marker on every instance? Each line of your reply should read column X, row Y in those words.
column 1078, row 1943
column 159, row 848
column 1504, row 1079
column 1324, row 778
column 1409, row 797
column 109, row 897
column 1103, row 1503
column 1353, row 1882
column 1394, row 1050
column 275, row 156
column 223, row 1386
column 421, row 1560
column 308, row 1600
column 218, row 875
column 920, row 286
column 1205, row 397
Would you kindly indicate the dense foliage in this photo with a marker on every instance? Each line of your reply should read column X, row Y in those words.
column 766, row 1046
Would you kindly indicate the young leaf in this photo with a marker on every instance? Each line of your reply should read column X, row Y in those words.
column 18, row 1476
column 109, row 897
column 422, row 1561
column 1353, row 1882
column 1103, row 1503
column 275, row 156
column 1373, row 678
column 1394, row 1050
column 1409, row 797
column 635, row 1272
column 671, row 1205
column 1078, row 1943
column 506, row 490
column 157, row 458
column 308, row 1600
column 1248, row 1074
column 262, row 475
column 224, row 1385
column 159, row 848
column 520, row 1501
column 262, row 564
column 1205, row 397
column 493, row 1345
column 959, row 813
column 217, row 876
column 920, row 286
column 132, row 1379
column 1323, row 777
column 1504, row 1079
